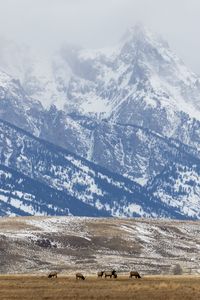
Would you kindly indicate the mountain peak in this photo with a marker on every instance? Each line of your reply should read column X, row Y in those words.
column 138, row 29
column 139, row 33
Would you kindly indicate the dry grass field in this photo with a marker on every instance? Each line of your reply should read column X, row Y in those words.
column 64, row 287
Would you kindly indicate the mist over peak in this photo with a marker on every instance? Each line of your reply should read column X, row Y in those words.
column 46, row 25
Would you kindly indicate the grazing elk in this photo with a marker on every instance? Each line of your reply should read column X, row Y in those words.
column 53, row 274
column 80, row 276
column 134, row 274
column 110, row 274
column 100, row 274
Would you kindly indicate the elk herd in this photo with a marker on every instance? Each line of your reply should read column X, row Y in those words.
column 100, row 274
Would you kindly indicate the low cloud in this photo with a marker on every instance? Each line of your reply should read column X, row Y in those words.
column 93, row 23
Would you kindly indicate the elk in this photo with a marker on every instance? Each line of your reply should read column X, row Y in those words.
column 134, row 274
column 100, row 274
column 52, row 275
column 110, row 274
column 80, row 276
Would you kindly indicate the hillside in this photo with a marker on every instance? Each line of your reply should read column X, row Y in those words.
column 68, row 244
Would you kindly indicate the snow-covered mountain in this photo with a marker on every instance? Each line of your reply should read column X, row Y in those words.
column 133, row 109
column 139, row 82
column 141, row 67
column 40, row 178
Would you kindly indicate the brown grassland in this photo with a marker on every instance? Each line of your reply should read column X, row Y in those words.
column 66, row 287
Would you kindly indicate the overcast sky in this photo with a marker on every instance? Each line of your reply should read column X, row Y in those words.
column 98, row 23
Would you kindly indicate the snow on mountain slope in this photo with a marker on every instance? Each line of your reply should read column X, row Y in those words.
column 174, row 185
column 130, row 150
column 16, row 106
column 135, row 152
column 66, row 172
column 47, row 79
column 21, row 196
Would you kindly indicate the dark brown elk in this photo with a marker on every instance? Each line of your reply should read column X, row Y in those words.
column 134, row 274
column 100, row 274
column 53, row 274
column 80, row 276
column 110, row 274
